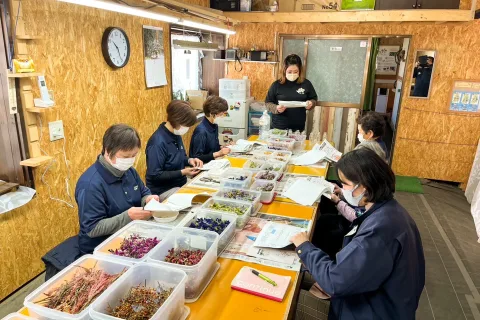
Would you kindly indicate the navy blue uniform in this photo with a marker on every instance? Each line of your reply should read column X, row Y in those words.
column 384, row 147
column 166, row 158
column 380, row 272
column 100, row 195
column 422, row 82
column 205, row 141
column 291, row 118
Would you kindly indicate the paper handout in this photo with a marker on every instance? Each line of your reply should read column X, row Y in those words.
column 154, row 205
column 332, row 153
column 292, row 104
column 305, row 192
column 215, row 165
column 244, row 145
column 276, row 235
column 181, row 201
column 309, row 158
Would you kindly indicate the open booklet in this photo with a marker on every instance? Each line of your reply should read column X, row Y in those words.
column 309, row 158
column 332, row 153
column 243, row 146
column 276, row 235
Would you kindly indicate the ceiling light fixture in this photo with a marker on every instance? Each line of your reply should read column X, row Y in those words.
column 109, row 6
column 202, row 26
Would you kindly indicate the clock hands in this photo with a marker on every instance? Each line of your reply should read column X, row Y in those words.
column 119, row 54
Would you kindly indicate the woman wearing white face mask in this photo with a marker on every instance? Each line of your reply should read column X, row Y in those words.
column 204, row 144
column 167, row 162
column 371, row 127
column 110, row 193
column 292, row 86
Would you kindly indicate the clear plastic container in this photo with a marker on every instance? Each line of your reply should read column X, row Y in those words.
column 264, row 125
column 253, row 165
column 280, row 143
column 245, row 207
column 276, row 166
column 267, row 196
column 151, row 275
column 228, row 232
column 236, row 178
column 190, row 239
column 283, row 156
column 108, row 265
column 277, row 133
column 248, row 196
column 17, row 316
column 142, row 228
column 262, row 175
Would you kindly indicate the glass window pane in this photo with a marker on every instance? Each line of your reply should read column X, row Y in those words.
column 293, row 46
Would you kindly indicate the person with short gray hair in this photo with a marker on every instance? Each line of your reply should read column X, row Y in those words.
column 110, row 194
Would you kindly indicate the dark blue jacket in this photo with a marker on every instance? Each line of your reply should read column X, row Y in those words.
column 422, row 82
column 380, row 272
column 166, row 158
column 205, row 141
column 384, row 147
column 100, row 195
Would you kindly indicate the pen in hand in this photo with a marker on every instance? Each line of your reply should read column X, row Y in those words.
column 261, row 276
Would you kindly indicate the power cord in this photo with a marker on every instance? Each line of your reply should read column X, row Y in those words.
column 67, row 179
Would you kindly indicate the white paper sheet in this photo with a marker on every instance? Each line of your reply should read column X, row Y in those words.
column 332, row 153
column 276, row 235
column 292, row 104
column 13, row 200
column 215, row 165
column 283, row 256
column 181, row 201
column 304, row 192
column 154, row 205
column 309, row 158
column 244, row 145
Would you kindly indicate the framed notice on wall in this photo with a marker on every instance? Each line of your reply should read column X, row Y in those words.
column 386, row 62
column 154, row 56
column 465, row 96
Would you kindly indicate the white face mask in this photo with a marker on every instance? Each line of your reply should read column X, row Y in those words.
column 217, row 119
column 292, row 76
column 181, row 131
column 360, row 137
column 348, row 195
column 123, row 164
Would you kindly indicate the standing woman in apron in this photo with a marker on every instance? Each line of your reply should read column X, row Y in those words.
column 292, row 86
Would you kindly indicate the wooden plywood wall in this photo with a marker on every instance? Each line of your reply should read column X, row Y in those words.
column 430, row 142
column 89, row 98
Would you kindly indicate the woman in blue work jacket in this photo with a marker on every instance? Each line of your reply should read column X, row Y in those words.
column 380, row 271
column 204, row 144
column 110, row 194
column 167, row 161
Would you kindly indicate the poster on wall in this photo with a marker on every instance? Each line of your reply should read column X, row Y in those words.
column 465, row 96
column 386, row 63
column 154, row 57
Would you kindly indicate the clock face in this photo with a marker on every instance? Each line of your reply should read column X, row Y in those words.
column 115, row 47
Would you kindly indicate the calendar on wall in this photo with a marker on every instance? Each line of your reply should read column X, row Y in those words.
column 465, row 96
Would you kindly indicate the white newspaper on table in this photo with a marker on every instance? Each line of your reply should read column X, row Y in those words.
column 305, row 192
column 332, row 153
column 292, row 104
column 309, row 158
column 276, row 235
column 215, row 165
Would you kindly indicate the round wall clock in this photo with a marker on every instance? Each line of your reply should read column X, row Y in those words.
column 115, row 47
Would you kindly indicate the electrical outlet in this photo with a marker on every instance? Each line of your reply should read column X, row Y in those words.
column 56, row 130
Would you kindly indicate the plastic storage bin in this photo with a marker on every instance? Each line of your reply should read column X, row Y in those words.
column 198, row 275
column 248, row 196
column 267, row 196
column 253, row 165
column 17, row 316
column 142, row 228
column 236, row 178
column 276, row 166
column 151, row 275
column 228, row 232
column 283, row 156
column 261, row 175
column 277, row 133
column 242, row 218
column 110, row 266
column 228, row 136
column 279, row 143
column 262, row 155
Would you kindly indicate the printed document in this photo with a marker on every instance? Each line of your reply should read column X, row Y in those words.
column 276, row 235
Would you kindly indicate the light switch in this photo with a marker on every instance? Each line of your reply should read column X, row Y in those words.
column 56, row 130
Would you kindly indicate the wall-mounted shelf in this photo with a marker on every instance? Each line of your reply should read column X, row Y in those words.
column 414, row 15
column 24, row 75
column 35, row 162
column 39, row 110
column 268, row 62
column 29, row 37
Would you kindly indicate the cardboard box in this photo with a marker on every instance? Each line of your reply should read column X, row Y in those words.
column 286, row 5
column 358, row 4
column 317, row 5
column 283, row 5
column 197, row 98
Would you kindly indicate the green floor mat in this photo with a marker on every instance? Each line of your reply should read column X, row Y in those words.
column 408, row 184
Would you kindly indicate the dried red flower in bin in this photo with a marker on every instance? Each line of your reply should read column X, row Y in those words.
column 135, row 246
column 184, row 257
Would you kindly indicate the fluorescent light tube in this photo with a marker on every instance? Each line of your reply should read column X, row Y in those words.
column 207, row 27
column 109, row 6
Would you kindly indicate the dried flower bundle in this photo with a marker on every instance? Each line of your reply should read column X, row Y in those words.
column 184, row 256
column 135, row 246
column 216, row 225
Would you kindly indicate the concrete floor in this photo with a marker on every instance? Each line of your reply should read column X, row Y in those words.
column 451, row 250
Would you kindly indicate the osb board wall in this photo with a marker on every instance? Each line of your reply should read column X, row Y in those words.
column 89, row 98
column 431, row 142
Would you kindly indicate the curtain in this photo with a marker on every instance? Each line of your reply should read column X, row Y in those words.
column 372, row 67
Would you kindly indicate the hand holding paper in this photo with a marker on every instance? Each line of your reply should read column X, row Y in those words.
column 276, row 235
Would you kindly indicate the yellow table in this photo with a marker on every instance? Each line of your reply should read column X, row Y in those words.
column 219, row 301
